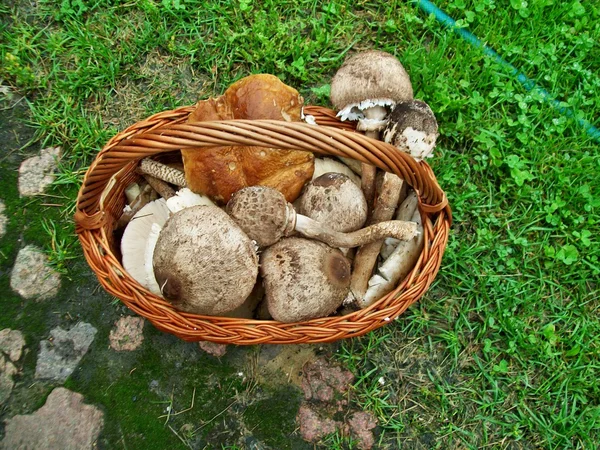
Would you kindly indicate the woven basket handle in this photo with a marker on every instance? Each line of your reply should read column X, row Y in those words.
column 131, row 146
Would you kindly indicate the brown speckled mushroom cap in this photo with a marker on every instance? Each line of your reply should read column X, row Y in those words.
column 263, row 213
column 370, row 75
column 203, row 262
column 412, row 128
column 334, row 200
column 303, row 279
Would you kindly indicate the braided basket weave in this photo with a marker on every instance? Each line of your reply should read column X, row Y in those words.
column 101, row 200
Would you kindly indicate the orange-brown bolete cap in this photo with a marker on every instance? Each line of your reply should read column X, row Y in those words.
column 220, row 171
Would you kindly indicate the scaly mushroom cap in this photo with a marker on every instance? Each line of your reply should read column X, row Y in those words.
column 220, row 171
column 368, row 79
column 412, row 128
column 334, row 200
column 303, row 279
column 263, row 213
column 203, row 262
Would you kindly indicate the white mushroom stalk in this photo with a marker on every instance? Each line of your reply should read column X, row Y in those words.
column 390, row 191
column 396, row 267
column 265, row 216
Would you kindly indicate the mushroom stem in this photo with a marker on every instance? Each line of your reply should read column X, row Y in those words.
column 395, row 268
column 163, row 189
column 265, row 216
column 366, row 256
column 143, row 198
column 162, row 172
column 393, row 228
column 354, row 165
column 368, row 184
column 375, row 120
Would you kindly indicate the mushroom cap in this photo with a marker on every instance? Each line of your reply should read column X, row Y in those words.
column 334, row 200
column 412, row 128
column 220, row 171
column 262, row 212
column 326, row 165
column 368, row 76
column 203, row 262
column 304, row 279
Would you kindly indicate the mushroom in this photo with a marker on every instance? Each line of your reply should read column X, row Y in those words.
column 137, row 243
column 335, row 200
column 144, row 225
column 413, row 129
column 363, row 89
column 220, row 171
column 328, row 165
column 203, row 262
column 265, row 216
column 303, row 279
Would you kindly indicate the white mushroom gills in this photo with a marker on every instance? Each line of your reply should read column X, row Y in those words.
column 137, row 246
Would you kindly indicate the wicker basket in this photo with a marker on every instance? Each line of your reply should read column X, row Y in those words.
column 101, row 201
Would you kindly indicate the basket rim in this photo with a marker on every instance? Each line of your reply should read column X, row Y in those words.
column 94, row 227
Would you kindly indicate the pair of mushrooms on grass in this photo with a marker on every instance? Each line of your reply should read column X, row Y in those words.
column 206, row 259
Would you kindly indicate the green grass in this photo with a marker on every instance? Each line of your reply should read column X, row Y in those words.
column 503, row 350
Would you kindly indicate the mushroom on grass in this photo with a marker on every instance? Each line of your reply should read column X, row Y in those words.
column 203, row 262
column 265, row 216
column 413, row 129
column 303, row 279
column 363, row 89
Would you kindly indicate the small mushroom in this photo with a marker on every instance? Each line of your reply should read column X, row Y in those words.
column 303, row 279
column 333, row 199
column 203, row 262
column 265, row 216
column 413, row 129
